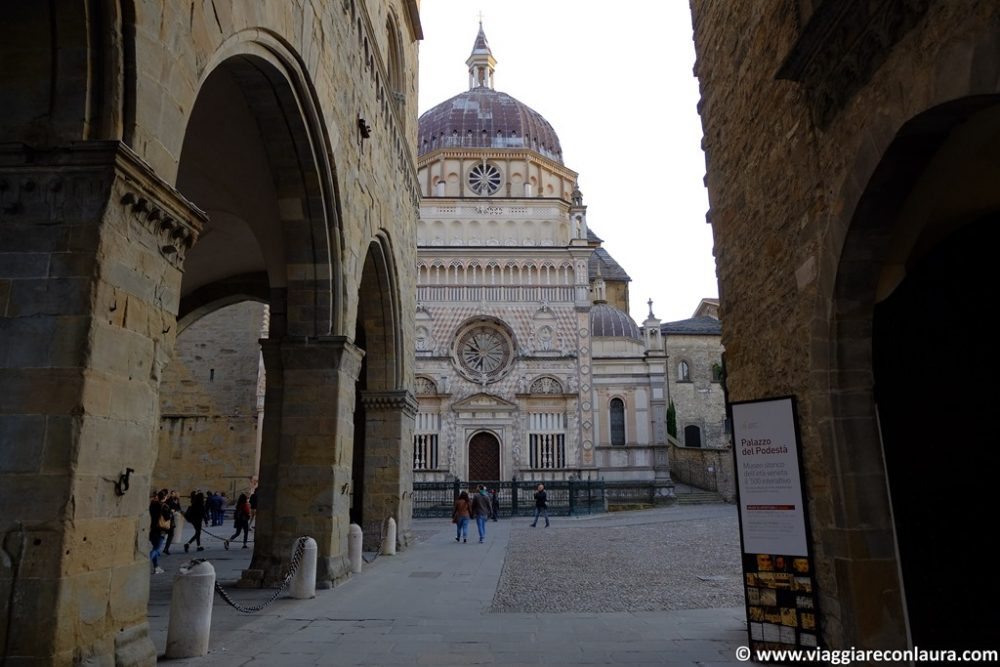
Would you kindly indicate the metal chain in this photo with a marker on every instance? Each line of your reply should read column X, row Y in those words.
column 300, row 546
column 223, row 539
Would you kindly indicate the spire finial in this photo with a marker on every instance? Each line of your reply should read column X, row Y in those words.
column 650, row 302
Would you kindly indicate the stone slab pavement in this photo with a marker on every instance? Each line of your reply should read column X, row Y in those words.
column 430, row 605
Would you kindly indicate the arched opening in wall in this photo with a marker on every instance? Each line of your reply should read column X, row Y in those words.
column 378, row 456
column 484, row 457
column 912, row 397
column 692, row 436
column 212, row 403
column 254, row 159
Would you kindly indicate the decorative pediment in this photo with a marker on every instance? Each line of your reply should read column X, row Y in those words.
column 483, row 402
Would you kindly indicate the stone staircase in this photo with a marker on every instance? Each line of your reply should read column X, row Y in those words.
column 698, row 497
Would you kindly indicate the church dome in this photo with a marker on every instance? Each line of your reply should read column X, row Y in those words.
column 606, row 321
column 483, row 117
column 486, row 118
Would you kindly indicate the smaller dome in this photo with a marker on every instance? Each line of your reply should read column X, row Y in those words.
column 606, row 321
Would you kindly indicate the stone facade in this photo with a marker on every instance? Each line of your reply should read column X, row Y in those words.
column 521, row 351
column 209, row 399
column 160, row 161
column 849, row 145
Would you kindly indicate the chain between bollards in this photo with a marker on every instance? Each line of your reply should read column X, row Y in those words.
column 253, row 609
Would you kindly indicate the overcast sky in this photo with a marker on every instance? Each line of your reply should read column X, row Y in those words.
column 618, row 87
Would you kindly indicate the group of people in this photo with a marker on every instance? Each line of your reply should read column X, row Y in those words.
column 484, row 505
column 204, row 508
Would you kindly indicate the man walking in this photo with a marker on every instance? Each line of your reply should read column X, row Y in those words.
column 481, row 510
column 541, row 506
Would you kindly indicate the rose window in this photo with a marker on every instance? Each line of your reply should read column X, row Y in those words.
column 484, row 179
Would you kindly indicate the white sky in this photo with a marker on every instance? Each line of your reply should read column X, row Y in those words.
column 616, row 83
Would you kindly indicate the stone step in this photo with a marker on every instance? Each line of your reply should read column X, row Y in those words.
column 699, row 498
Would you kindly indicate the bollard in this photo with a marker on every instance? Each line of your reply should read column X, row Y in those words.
column 389, row 546
column 191, row 611
column 177, row 533
column 354, row 538
column 303, row 584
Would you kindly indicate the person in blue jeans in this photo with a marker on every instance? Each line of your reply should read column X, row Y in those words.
column 481, row 510
column 541, row 506
column 460, row 517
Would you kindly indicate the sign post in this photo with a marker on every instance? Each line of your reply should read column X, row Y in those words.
column 778, row 568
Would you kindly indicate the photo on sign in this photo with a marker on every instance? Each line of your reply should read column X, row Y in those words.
column 802, row 584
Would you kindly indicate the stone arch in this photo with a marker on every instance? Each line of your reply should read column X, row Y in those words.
column 302, row 225
column 903, row 203
column 385, row 410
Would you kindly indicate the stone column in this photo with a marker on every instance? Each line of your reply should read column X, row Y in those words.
column 306, row 455
column 389, row 421
column 91, row 247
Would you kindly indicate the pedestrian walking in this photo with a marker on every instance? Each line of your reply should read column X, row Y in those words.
column 541, row 505
column 253, row 507
column 158, row 525
column 460, row 517
column 241, row 520
column 494, row 505
column 173, row 503
column 481, row 510
column 195, row 516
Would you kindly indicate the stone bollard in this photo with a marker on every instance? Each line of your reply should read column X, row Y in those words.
column 191, row 611
column 354, row 539
column 389, row 546
column 177, row 533
column 303, row 584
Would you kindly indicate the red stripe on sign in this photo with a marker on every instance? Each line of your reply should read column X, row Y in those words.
column 770, row 507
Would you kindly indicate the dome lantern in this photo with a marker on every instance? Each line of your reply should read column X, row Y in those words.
column 481, row 62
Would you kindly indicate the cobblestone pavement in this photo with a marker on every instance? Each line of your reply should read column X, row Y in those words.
column 684, row 557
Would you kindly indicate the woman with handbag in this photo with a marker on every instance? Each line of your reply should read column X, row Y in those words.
column 159, row 524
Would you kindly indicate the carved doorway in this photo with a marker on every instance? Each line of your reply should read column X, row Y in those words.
column 484, row 458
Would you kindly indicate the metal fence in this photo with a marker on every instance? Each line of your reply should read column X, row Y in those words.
column 517, row 498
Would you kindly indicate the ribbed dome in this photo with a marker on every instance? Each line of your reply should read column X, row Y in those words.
column 486, row 118
column 606, row 321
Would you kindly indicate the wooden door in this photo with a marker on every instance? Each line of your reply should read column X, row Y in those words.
column 484, row 458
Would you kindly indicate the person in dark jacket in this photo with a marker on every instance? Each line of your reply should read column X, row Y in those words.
column 481, row 510
column 460, row 517
column 195, row 516
column 494, row 505
column 241, row 520
column 541, row 505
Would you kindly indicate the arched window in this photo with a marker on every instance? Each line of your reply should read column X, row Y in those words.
column 683, row 372
column 617, row 421
column 692, row 436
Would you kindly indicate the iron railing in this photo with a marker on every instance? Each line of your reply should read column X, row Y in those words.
column 516, row 497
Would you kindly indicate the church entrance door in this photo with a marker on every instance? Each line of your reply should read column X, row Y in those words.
column 484, row 458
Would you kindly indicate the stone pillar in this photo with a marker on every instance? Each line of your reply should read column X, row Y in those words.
column 91, row 247
column 389, row 421
column 306, row 455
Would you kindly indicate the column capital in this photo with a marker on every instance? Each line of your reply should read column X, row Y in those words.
column 50, row 179
column 311, row 353
column 401, row 399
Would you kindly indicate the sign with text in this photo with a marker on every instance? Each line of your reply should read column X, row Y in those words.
column 772, row 514
column 778, row 571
